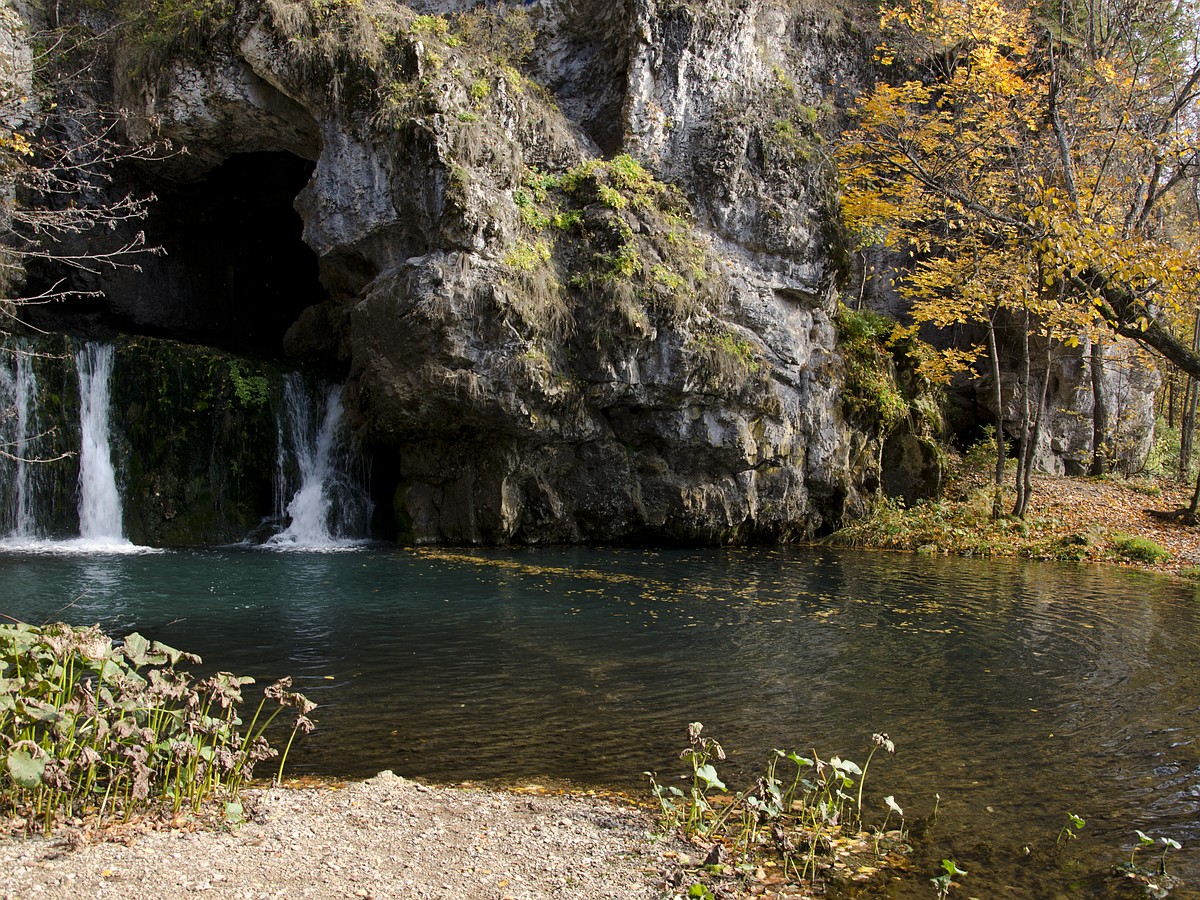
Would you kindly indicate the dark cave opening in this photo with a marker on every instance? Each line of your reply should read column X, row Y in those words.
column 238, row 270
column 233, row 272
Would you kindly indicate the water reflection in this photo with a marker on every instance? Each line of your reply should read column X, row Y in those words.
column 1017, row 692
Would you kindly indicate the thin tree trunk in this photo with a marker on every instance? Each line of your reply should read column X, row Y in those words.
column 1187, row 427
column 1099, row 412
column 1031, row 449
column 1023, row 443
column 998, row 396
column 1189, row 517
column 1187, row 423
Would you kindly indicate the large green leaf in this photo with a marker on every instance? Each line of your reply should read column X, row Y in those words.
column 137, row 649
column 24, row 769
column 708, row 774
column 172, row 655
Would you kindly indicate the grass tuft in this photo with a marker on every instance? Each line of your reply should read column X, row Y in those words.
column 1139, row 549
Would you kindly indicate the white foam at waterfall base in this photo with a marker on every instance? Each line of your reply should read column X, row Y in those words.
column 99, row 502
column 25, row 391
column 315, row 436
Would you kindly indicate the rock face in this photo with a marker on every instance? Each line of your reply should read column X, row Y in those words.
column 575, row 259
column 544, row 341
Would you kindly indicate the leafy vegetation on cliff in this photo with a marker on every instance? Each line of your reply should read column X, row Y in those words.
column 627, row 249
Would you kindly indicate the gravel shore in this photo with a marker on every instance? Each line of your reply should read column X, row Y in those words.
column 381, row 838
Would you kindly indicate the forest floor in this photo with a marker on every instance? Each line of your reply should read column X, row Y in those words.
column 1123, row 521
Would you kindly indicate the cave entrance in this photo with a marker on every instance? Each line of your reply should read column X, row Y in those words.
column 238, row 270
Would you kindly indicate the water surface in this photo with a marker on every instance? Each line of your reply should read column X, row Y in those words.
column 1017, row 692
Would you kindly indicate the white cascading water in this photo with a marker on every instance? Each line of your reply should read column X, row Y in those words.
column 99, row 500
column 25, row 391
column 327, row 504
column 18, row 387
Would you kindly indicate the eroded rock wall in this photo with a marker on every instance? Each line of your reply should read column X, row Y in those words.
column 545, row 341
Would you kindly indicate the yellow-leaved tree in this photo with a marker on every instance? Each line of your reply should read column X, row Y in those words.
column 1038, row 164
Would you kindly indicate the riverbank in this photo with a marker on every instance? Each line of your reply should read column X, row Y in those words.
column 386, row 837
column 1081, row 519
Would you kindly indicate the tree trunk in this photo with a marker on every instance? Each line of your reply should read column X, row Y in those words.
column 1187, row 426
column 1099, row 412
column 1031, row 449
column 998, row 396
column 1187, row 419
column 1189, row 517
column 1023, row 444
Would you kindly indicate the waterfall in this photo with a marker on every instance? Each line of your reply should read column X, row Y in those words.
column 99, row 501
column 328, row 507
column 18, row 393
column 25, row 413
column 30, row 447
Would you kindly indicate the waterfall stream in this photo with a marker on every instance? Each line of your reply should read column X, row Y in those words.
column 328, row 506
column 19, row 387
column 99, row 499
column 62, row 464
column 34, row 458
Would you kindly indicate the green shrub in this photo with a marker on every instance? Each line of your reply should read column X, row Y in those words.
column 1139, row 549
column 871, row 389
column 795, row 812
column 87, row 727
column 981, row 456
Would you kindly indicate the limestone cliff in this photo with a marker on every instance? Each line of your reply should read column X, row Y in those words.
column 575, row 257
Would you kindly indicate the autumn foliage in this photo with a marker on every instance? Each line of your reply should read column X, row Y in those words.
column 1039, row 158
column 1036, row 164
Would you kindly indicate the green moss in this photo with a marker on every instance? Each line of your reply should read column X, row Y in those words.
column 480, row 89
column 251, row 391
column 435, row 26
column 200, row 437
column 871, row 390
column 728, row 358
column 667, row 277
column 528, row 257
column 1139, row 549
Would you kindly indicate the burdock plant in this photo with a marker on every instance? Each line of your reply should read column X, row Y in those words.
column 798, row 811
column 87, row 727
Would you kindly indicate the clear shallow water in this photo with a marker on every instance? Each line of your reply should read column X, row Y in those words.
column 1017, row 692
